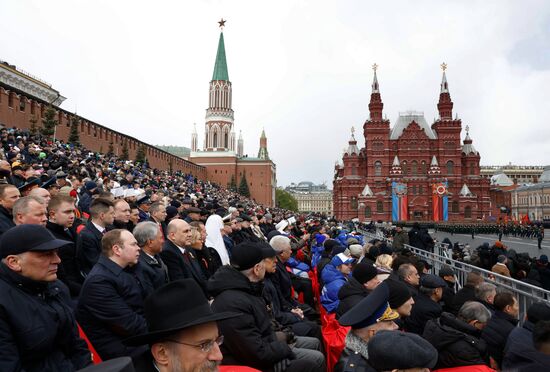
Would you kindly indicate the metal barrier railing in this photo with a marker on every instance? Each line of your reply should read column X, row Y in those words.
column 526, row 293
column 442, row 256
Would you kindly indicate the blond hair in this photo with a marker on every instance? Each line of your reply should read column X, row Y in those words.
column 384, row 260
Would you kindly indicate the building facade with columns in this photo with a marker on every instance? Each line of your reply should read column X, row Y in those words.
column 311, row 197
column 411, row 170
column 222, row 154
column 533, row 200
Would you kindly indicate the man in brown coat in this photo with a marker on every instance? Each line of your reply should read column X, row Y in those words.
column 500, row 267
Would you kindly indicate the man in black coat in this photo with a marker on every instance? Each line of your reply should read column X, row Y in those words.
column 468, row 292
column 520, row 351
column 38, row 331
column 426, row 305
column 178, row 255
column 249, row 338
column 88, row 246
column 9, row 194
column 503, row 321
column 362, row 282
column 409, row 275
column 60, row 221
column 457, row 339
column 157, row 211
column 150, row 240
column 110, row 307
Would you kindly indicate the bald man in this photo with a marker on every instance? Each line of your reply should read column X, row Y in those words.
column 178, row 255
column 43, row 193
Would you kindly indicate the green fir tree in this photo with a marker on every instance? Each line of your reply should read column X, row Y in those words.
column 74, row 134
column 33, row 129
column 232, row 184
column 243, row 187
column 140, row 153
column 49, row 122
column 125, row 153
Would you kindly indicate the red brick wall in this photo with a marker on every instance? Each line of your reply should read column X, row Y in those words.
column 92, row 135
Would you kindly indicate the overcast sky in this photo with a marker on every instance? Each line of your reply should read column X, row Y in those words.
column 299, row 69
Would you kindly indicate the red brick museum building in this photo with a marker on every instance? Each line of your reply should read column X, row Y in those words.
column 411, row 171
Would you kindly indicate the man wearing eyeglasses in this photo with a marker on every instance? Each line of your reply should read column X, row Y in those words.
column 182, row 335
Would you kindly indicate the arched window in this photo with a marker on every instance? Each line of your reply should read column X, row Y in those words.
column 450, row 167
column 353, row 203
column 353, row 170
column 225, row 141
column 215, row 140
column 405, row 168
column 467, row 212
column 414, row 168
column 379, row 206
column 368, row 212
column 454, row 207
column 472, row 169
column 377, row 168
column 423, row 167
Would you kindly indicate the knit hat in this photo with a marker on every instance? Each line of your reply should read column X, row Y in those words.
column 543, row 258
column 329, row 244
column 363, row 272
column 247, row 254
column 356, row 250
column 90, row 185
column 386, row 351
column 399, row 293
column 501, row 258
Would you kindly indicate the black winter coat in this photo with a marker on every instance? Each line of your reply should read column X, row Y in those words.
column 350, row 294
column 496, row 333
column 423, row 310
column 38, row 330
column 110, row 308
column 457, row 342
column 88, row 247
column 467, row 293
column 249, row 338
column 67, row 271
column 520, row 353
column 6, row 220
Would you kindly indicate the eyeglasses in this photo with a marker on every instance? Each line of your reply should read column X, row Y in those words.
column 205, row 347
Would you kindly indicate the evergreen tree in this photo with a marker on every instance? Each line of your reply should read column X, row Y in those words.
column 243, row 187
column 232, row 184
column 140, row 154
column 285, row 200
column 74, row 134
column 33, row 130
column 125, row 154
column 111, row 149
column 49, row 122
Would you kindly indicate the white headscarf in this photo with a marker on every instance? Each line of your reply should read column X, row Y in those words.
column 214, row 239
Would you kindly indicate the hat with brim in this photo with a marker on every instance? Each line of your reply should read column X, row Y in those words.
column 31, row 183
column 167, row 314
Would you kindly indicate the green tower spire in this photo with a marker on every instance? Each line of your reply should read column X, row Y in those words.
column 220, row 68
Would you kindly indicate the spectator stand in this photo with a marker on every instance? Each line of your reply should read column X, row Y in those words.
column 525, row 293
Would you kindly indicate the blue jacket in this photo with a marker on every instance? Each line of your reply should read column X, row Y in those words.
column 297, row 266
column 110, row 308
column 316, row 252
column 333, row 280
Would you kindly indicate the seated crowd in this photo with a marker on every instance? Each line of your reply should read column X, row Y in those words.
column 109, row 257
